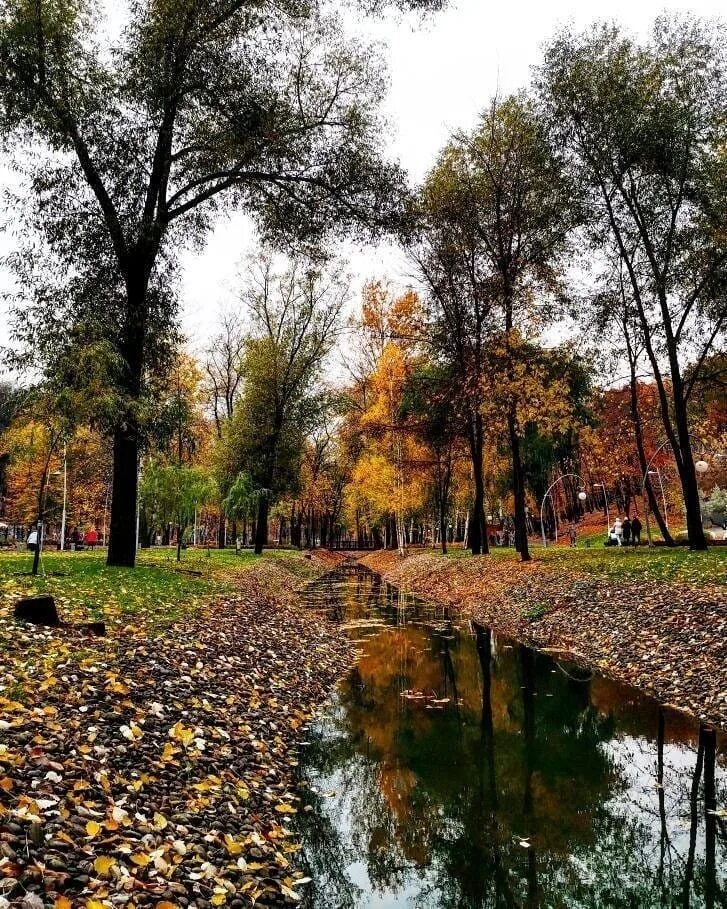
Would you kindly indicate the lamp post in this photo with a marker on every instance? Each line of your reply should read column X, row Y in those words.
column 605, row 499
column 701, row 467
column 657, row 473
column 65, row 497
column 581, row 495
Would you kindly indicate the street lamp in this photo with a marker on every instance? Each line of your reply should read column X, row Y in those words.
column 65, row 496
column 657, row 473
column 581, row 495
column 605, row 499
column 701, row 467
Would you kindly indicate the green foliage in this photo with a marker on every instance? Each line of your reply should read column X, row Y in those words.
column 295, row 321
column 240, row 500
column 716, row 504
column 170, row 493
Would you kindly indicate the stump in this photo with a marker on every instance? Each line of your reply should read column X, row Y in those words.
column 96, row 628
column 39, row 610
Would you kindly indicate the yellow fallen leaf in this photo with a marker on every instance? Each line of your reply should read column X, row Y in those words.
column 92, row 828
column 62, row 903
column 141, row 859
column 160, row 822
column 284, row 808
column 233, row 847
column 104, row 864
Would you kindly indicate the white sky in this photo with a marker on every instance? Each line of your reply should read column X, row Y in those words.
column 442, row 74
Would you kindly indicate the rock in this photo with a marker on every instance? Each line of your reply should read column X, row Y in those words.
column 39, row 610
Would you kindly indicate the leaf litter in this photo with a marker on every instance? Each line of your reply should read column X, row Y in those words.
column 159, row 771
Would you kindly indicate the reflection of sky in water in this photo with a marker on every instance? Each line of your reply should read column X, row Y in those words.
column 544, row 794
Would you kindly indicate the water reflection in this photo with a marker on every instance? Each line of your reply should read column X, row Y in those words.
column 457, row 769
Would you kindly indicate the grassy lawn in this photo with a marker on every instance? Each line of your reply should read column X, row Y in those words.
column 657, row 563
column 158, row 591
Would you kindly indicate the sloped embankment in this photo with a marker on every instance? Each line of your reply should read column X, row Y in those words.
column 668, row 638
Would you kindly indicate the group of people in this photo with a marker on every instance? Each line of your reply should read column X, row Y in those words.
column 625, row 531
column 77, row 539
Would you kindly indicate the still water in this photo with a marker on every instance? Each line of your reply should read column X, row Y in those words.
column 455, row 768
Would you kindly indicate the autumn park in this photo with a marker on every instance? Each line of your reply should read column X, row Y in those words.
column 363, row 455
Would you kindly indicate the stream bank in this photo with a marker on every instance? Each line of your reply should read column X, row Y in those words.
column 158, row 769
column 666, row 638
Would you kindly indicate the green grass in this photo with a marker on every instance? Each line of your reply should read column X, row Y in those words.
column 158, row 591
column 658, row 563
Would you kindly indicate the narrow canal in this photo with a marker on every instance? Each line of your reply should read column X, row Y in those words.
column 455, row 769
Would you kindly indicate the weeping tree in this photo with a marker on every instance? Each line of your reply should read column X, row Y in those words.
column 644, row 127
column 294, row 318
column 142, row 130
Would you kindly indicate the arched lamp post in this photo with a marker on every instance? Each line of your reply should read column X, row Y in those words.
column 701, row 466
column 581, row 495
column 605, row 499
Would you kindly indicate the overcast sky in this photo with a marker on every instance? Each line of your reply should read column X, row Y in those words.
column 442, row 74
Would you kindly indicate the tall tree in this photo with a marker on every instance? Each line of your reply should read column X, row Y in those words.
column 195, row 104
column 295, row 317
column 223, row 367
column 645, row 126
column 508, row 182
column 447, row 253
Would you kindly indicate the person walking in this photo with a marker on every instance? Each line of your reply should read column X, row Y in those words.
column 626, row 530
column 572, row 537
column 32, row 541
column 636, row 531
column 618, row 531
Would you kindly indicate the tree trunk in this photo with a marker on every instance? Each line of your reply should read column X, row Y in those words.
column 709, row 737
column 144, row 531
column 221, row 526
column 688, row 477
column 478, row 524
column 643, row 462
column 122, row 542
column 518, row 485
column 261, row 528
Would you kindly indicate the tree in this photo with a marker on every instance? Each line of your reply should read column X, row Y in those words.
column 447, row 253
column 173, row 493
column 615, row 312
column 645, row 127
column 294, row 318
column 269, row 108
column 431, row 402
column 506, row 180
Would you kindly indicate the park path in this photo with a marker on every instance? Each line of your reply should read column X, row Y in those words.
column 158, row 771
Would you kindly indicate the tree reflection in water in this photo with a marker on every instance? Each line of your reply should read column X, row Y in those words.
column 529, row 787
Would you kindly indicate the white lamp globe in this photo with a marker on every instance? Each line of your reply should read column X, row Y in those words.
column 582, row 496
column 701, row 466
